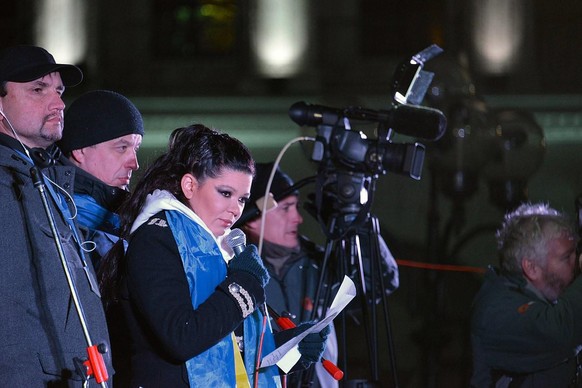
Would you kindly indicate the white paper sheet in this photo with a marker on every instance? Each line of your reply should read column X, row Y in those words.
column 287, row 355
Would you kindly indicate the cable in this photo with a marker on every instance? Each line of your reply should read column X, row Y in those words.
column 268, row 188
column 259, row 351
column 27, row 153
column 440, row 267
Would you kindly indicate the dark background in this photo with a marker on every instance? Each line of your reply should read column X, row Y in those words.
column 181, row 63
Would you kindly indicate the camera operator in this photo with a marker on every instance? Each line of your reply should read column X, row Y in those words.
column 293, row 261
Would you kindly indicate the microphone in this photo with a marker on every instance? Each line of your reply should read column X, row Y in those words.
column 237, row 241
column 415, row 121
column 311, row 115
column 410, row 120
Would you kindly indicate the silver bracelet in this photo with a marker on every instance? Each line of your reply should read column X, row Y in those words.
column 243, row 298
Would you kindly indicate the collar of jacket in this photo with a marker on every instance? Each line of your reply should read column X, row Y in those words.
column 10, row 142
column 109, row 197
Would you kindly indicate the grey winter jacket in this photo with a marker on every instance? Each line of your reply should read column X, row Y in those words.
column 41, row 334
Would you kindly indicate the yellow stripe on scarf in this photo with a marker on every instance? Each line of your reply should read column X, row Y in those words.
column 242, row 379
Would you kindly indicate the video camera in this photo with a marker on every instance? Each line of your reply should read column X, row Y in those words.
column 349, row 162
column 338, row 146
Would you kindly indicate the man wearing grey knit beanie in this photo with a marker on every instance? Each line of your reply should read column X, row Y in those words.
column 102, row 133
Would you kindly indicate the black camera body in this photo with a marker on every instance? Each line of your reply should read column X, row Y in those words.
column 352, row 150
column 350, row 162
column 346, row 148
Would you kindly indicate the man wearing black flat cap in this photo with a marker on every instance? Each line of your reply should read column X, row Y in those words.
column 42, row 340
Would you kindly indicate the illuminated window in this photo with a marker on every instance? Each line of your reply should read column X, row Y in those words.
column 183, row 29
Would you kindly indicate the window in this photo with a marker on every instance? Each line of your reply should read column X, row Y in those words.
column 197, row 28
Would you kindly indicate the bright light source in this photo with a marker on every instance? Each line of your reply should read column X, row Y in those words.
column 498, row 34
column 280, row 37
column 61, row 29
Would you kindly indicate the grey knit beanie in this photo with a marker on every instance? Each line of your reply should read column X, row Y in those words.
column 99, row 116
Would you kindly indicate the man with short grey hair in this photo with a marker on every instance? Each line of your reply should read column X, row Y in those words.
column 527, row 318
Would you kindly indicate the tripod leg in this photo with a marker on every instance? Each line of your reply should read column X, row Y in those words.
column 364, row 290
column 370, row 266
column 377, row 268
column 366, row 265
column 320, row 305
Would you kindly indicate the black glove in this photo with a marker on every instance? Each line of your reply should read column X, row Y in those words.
column 312, row 346
column 249, row 261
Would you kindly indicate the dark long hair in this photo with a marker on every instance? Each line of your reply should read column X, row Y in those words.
column 197, row 150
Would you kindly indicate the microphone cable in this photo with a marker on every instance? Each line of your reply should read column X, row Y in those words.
column 260, row 350
column 270, row 181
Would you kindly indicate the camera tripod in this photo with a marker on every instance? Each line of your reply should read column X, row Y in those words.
column 354, row 244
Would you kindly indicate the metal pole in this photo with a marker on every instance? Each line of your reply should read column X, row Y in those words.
column 96, row 366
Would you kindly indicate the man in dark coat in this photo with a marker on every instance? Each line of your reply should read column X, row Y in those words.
column 42, row 339
column 103, row 132
column 527, row 318
column 102, row 135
